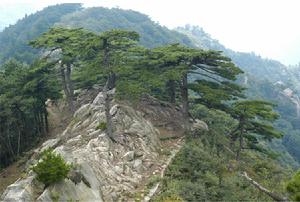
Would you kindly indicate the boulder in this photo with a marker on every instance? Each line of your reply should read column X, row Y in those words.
column 129, row 156
column 199, row 125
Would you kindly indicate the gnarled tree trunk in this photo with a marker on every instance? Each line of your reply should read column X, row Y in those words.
column 69, row 84
column 274, row 196
column 65, row 74
column 185, row 101
column 107, row 100
column 171, row 91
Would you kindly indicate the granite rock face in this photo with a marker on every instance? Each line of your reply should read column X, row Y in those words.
column 110, row 170
column 103, row 170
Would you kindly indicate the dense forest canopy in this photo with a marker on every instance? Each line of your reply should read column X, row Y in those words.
column 14, row 39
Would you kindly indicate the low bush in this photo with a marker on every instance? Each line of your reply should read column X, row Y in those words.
column 101, row 126
column 293, row 187
column 51, row 168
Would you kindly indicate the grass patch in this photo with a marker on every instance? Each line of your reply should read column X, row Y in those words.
column 153, row 180
column 101, row 126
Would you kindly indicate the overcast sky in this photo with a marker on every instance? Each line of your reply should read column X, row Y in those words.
column 268, row 27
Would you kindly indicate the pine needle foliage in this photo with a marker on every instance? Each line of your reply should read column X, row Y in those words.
column 52, row 168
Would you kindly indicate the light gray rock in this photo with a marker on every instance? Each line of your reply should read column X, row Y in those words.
column 114, row 109
column 68, row 191
column 200, row 125
column 107, row 167
column 49, row 144
column 19, row 191
column 99, row 100
column 138, row 165
column 119, row 169
column 129, row 156
column 82, row 111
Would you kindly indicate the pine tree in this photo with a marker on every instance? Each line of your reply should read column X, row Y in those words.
column 254, row 121
column 23, row 114
column 110, row 51
column 207, row 73
column 64, row 47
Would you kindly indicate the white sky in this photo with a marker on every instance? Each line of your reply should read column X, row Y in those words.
column 268, row 27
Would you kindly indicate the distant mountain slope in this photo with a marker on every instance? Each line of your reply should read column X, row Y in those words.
column 10, row 13
column 101, row 19
column 260, row 77
column 249, row 62
column 264, row 79
column 14, row 39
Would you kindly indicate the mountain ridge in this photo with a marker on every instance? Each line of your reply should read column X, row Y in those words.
column 151, row 103
column 112, row 171
column 259, row 72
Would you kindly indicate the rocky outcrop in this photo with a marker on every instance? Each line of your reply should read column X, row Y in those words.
column 103, row 170
column 294, row 98
column 110, row 170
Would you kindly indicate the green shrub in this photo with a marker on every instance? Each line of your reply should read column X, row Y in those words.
column 172, row 198
column 101, row 126
column 54, row 196
column 52, row 168
column 152, row 181
column 293, row 187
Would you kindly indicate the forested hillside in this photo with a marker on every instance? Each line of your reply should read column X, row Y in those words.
column 250, row 105
column 128, row 73
column 264, row 79
column 103, row 19
column 250, row 62
column 14, row 39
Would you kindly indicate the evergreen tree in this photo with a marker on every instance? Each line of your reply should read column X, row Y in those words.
column 110, row 51
column 254, row 120
column 64, row 47
column 293, row 187
column 23, row 114
column 207, row 73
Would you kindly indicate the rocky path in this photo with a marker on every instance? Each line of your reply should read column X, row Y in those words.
column 131, row 170
column 150, row 185
column 175, row 148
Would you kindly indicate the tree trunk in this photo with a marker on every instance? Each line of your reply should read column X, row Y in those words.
column 107, row 99
column 70, row 87
column 274, row 196
column 63, row 79
column 241, row 144
column 112, row 81
column 108, row 116
column 9, row 152
column 232, row 138
column 110, row 84
column 39, row 123
column 10, row 145
column 43, row 127
column 66, row 80
column 171, row 91
column 46, row 120
column 185, row 101
column 19, row 142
